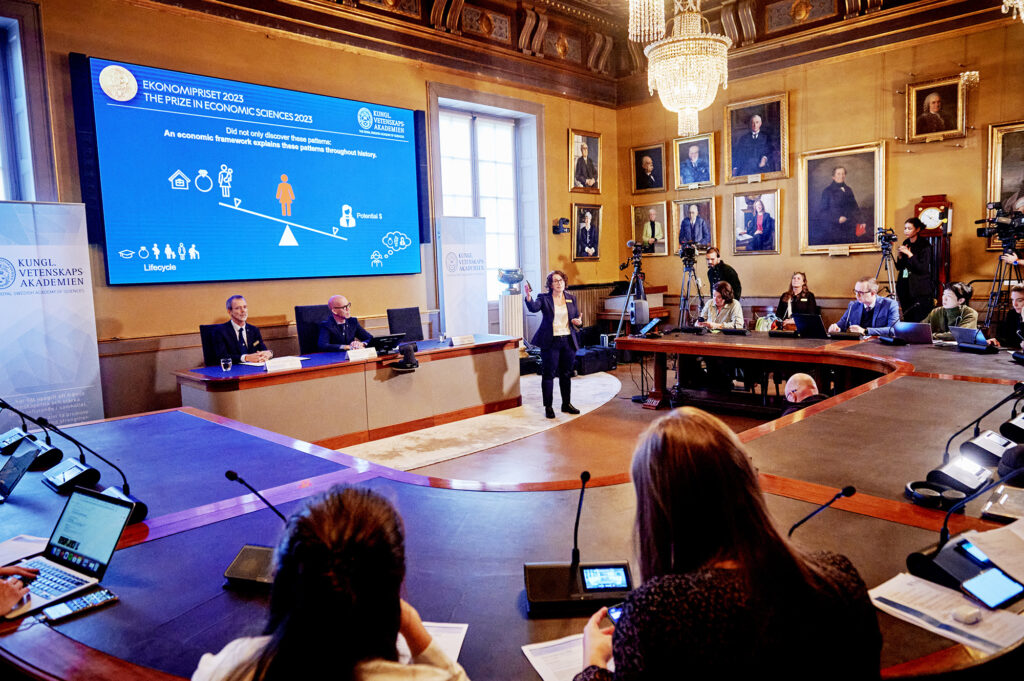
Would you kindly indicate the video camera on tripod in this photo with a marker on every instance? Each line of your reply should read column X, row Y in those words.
column 688, row 253
column 1007, row 226
column 886, row 237
column 637, row 256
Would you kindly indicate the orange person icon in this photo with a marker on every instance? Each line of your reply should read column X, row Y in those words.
column 285, row 195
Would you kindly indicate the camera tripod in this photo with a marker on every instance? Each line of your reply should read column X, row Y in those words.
column 689, row 277
column 888, row 262
column 1006, row 275
column 636, row 290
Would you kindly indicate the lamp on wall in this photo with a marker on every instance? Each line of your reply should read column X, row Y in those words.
column 687, row 67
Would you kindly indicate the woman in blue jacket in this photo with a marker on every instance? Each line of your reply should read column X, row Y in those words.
column 557, row 339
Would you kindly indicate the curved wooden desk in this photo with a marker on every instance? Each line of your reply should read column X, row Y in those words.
column 466, row 540
column 334, row 402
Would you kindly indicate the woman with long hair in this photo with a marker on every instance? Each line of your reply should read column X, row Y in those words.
column 722, row 311
column 723, row 592
column 335, row 608
column 558, row 339
column 797, row 299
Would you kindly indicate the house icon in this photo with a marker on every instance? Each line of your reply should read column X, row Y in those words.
column 179, row 180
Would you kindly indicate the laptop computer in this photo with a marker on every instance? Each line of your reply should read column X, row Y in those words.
column 971, row 340
column 811, row 326
column 79, row 550
column 16, row 466
column 914, row 332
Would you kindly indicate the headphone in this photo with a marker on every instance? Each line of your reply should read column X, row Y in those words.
column 933, row 495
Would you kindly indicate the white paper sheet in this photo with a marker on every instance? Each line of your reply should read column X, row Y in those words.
column 446, row 635
column 558, row 660
column 931, row 607
column 21, row 546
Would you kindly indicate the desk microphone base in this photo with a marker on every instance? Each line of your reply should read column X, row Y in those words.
column 252, row 568
column 553, row 590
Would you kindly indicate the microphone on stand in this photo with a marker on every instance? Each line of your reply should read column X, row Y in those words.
column 253, row 567
column 847, row 491
column 575, row 588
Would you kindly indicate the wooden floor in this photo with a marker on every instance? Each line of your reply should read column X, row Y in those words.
column 600, row 441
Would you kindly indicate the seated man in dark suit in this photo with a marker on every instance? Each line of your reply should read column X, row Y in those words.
column 240, row 341
column 341, row 331
column 869, row 315
column 801, row 392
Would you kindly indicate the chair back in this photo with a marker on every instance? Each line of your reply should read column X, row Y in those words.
column 206, row 332
column 406, row 320
column 307, row 321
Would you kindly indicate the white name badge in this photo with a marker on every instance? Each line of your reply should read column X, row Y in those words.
column 468, row 339
column 362, row 353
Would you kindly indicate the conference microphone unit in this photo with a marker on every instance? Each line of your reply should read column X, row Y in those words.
column 253, row 567
column 575, row 588
column 847, row 491
column 947, row 562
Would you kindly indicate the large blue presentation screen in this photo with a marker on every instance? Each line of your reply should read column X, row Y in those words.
column 205, row 179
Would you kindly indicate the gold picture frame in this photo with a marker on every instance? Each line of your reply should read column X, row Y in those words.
column 641, row 217
column 746, row 240
column 1005, row 169
column 586, row 243
column 644, row 182
column 700, row 172
column 584, row 166
column 705, row 210
column 766, row 155
column 929, row 118
column 841, row 217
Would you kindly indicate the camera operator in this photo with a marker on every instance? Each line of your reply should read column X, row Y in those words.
column 914, row 284
column 719, row 271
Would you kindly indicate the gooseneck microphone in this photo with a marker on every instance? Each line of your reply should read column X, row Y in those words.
column 235, row 477
column 944, row 532
column 1018, row 393
column 584, row 479
column 847, row 491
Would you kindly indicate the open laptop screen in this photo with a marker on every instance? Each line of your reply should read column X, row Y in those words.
column 88, row 531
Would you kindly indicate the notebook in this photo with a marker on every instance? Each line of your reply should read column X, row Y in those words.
column 79, row 550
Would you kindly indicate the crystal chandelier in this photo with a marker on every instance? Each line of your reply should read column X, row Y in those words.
column 687, row 67
column 646, row 20
column 1016, row 5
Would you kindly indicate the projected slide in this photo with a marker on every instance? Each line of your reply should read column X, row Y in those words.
column 205, row 179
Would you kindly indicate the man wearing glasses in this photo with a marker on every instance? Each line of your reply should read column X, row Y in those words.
column 868, row 315
column 341, row 331
column 801, row 392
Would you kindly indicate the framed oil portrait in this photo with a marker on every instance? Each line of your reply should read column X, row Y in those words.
column 586, row 231
column 650, row 227
column 842, row 198
column 648, row 168
column 936, row 110
column 584, row 161
column 694, row 161
column 1005, row 169
column 695, row 222
column 756, row 222
column 757, row 139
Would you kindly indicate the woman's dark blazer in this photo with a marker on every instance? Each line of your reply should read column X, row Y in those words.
column 546, row 306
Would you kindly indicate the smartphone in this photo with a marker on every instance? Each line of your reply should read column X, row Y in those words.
column 994, row 588
column 972, row 551
column 615, row 612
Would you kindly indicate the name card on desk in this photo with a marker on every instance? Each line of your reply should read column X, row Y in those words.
column 362, row 353
column 468, row 339
column 283, row 364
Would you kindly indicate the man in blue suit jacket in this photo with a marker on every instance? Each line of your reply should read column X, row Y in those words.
column 868, row 315
column 240, row 341
column 341, row 331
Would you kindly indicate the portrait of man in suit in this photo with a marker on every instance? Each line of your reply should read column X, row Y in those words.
column 757, row 141
column 648, row 169
column 840, row 198
column 584, row 153
column 934, row 110
column 695, row 225
column 694, row 168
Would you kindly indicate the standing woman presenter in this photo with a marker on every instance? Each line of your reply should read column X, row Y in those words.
column 557, row 339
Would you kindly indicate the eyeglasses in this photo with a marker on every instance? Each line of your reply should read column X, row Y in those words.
column 861, row 293
column 341, row 307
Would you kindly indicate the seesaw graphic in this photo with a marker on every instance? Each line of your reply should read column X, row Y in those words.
column 287, row 238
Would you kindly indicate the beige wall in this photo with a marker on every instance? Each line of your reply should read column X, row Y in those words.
column 156, row 35
column 854, row 100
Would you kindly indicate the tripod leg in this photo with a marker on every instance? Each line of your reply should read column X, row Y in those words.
column 625, row 307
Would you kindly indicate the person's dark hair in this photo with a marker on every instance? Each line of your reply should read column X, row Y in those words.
column 233, row 299
column 686, row 465
column 961, row 289
column 559, row 273
column 1017, row 288
column 335, row 599
column 788, row 295
column 712, row 248
column 725, row 289
column 916, row 222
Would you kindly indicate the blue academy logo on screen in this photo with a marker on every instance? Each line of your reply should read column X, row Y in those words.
column 206, row 179
column 7, row 273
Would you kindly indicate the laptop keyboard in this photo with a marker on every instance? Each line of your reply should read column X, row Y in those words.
column 52, row 582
